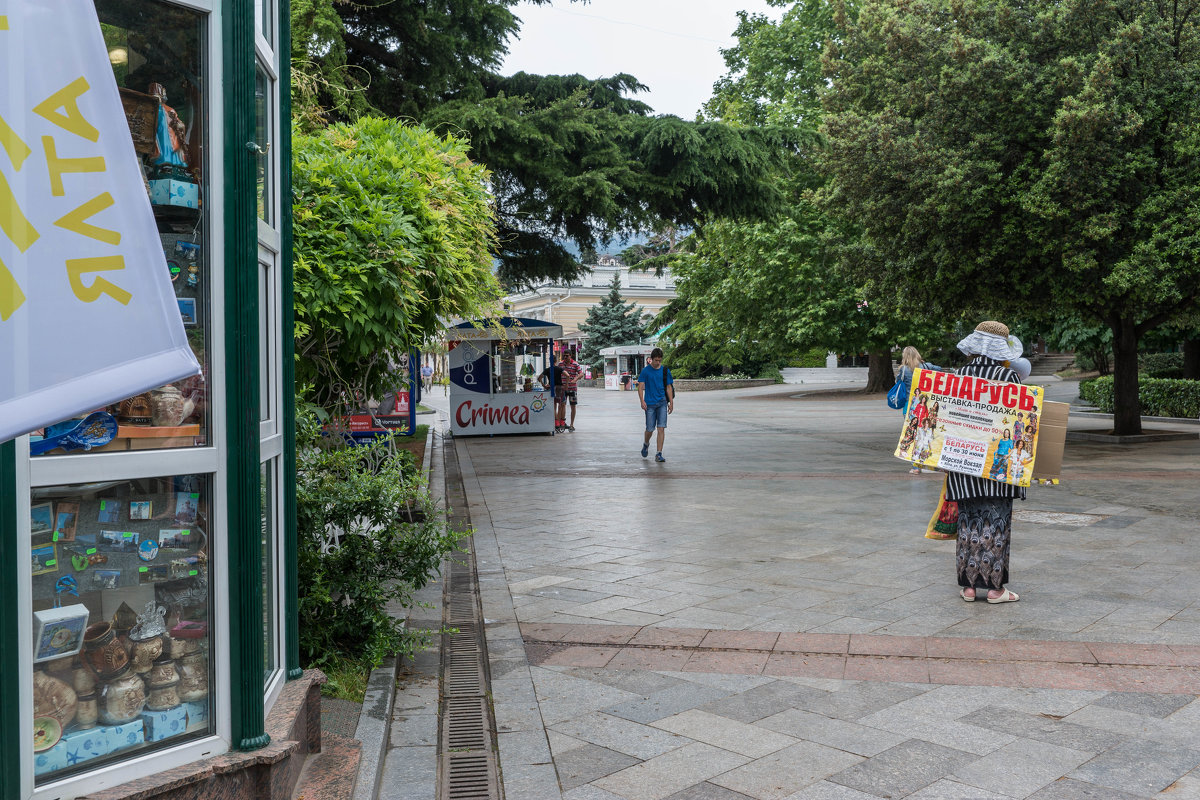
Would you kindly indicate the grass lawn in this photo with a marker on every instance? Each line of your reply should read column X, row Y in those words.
column 414, row 444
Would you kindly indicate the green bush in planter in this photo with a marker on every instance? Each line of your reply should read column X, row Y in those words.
column 1161, row 365
column 392, row 542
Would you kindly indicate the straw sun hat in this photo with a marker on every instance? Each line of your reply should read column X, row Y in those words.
column 991, row 339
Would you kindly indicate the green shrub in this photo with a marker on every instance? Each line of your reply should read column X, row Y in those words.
column 392, row 541
column 771, row 371
column 1160, row 397
column 811, row 358
column 1161, row 365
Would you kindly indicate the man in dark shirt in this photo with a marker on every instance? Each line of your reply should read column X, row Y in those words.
column 555, row 371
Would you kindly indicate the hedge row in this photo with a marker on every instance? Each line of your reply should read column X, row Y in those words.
column 1160, row 397
column 1161, row 365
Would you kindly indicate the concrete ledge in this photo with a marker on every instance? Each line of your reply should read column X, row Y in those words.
column 372, row 728
column 1090, row 411
column 703, row 385
column 1153, row 436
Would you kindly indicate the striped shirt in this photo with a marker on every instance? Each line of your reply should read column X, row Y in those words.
column 571, row 373
column 961, row 487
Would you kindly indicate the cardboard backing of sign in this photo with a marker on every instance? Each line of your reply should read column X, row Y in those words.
column 1051, row 437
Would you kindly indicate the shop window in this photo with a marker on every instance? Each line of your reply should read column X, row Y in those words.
column 266, row 485
column 157, row 52
column 121, row 610
column 262, row 138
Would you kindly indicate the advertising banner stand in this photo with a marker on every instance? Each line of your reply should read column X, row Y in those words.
column 494, row 371
column 973, row 426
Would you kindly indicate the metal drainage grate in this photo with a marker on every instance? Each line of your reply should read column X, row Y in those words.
column 468, row 776
column 466, row 725
column 467, row 733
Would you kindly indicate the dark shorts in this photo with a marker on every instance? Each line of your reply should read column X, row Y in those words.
column 573, row 396
column 559, row 394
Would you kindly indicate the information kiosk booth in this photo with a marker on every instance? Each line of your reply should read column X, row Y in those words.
column 622, row 365
column 494, row 370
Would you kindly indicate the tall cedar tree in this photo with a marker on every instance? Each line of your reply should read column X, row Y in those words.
column 1023, row 156
column 571, row 158
column 611, row 323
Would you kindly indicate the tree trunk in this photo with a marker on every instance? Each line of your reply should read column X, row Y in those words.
column 1191, row 358
column 881, row 373
column 1127, row 411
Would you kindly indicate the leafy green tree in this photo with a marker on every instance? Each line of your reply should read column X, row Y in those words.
column 612, row 322
column 1025, row 156
column 393, row 234
column 770, row 289
column 572, row 158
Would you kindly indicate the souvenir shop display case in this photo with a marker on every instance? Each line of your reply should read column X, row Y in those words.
column 148, row 599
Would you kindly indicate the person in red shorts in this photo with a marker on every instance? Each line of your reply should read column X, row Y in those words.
column 572, row 370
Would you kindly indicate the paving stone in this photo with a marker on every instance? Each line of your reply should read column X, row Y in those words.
column 637, row 682
column 589, row 792
column 738, row 737
column 671, row 772
column 1146, row 703
column 1138, row 766
column 1068, row 789
column 946, row 789
column 632, row 738
column 824, row 790
column 786, row 771
column 665, row 703
column 1021, row 767
column 903, row 769
column 848, row 736
column 860, row 699
column 585, row 764
column 707, row 791
column 763, row 701
column 1043, row 728
column 540, row 781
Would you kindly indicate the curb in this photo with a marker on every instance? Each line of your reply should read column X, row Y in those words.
column 375, row 719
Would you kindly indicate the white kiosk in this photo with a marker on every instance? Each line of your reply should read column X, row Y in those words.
column 622, row 365
column 494, row 370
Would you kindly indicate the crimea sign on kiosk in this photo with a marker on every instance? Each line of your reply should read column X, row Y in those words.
column 960, row 423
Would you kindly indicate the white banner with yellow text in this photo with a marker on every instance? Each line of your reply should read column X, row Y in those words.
column 87, row 314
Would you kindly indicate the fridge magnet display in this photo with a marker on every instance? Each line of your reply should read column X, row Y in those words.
column 45, row 559
column 175, row 539
column 148, row 549
column 187, row 309
column 106, row 578
column 189, row 250
column 41, row 518
column 79, row 562
column 110, row 511
column 125, row 541
column 184, row 567
column 58, row 632
column 139, row 509
column 155, row 573
column 175, row 269
column 66, row 515
column 187, row 504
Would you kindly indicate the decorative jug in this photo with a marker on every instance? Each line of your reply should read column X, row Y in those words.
column 122, row 700
column 103, row 653
column 169, row 407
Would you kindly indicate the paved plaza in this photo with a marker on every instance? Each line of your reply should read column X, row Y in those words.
column 761, row 616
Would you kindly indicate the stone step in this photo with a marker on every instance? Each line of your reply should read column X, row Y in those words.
column 331, row 773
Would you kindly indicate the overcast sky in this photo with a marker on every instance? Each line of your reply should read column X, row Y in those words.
column 672, row 46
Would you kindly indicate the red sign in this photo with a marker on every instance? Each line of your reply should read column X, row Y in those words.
column 401, row 403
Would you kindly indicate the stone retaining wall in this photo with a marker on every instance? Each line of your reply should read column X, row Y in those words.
column 701, row 385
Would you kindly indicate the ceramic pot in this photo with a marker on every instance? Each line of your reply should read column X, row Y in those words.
column 163, row 697
column 135, row 410
column 87, row 713
column 122, row 699
column 162, row 672
column 103, row 653
column 53, row 698
column 83, row 680
column 169, row 407
column 143, row 654
column 193, row 677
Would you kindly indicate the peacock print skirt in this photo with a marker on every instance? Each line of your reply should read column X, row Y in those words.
column 984, row 536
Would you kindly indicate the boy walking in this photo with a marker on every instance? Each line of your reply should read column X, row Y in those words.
column 657, row 394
